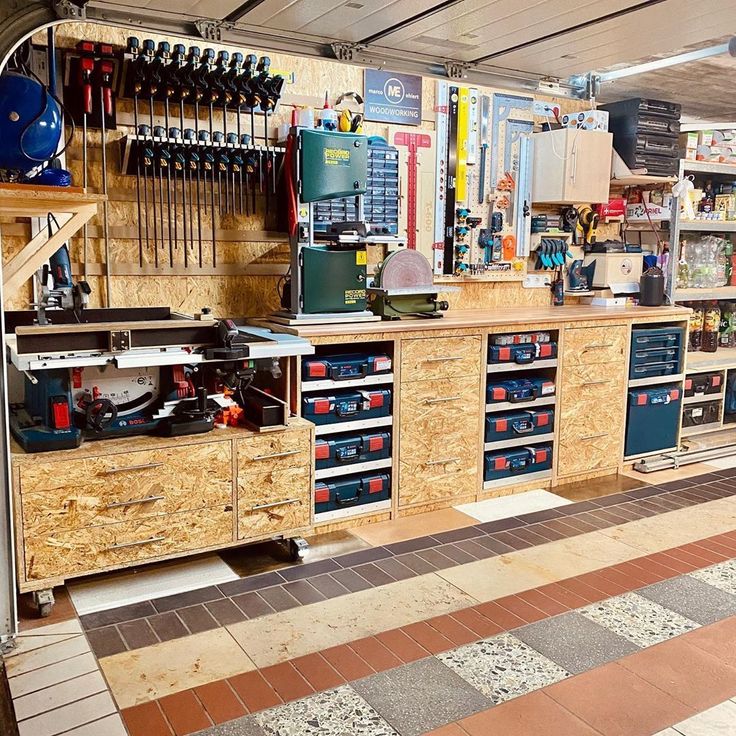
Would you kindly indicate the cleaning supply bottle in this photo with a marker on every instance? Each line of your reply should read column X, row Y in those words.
column 327, row 117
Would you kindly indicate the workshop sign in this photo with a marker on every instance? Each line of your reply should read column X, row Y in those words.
column 393, row 98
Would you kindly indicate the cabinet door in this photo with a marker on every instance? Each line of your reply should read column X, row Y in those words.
column 589, row 166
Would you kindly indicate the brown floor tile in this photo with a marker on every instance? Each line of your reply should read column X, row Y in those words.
column 427, row 637
column 146, row 719
column 562, row 526
column 455, row 554
column 435, row 558
column 452, row 629
column 597, row 487
column 106, row 641
column 564, row 596
column 28, row 617
column 682, row 563
column 197, row 618
column 252, row 605
column 254, row 691
column 347, row 662
column 614, row 701
column 471, row 547
column 717, row 639
column 418, row 565
column 137, row 633
column 655, row 563
column 351, row 580
column 530, row 536
column 499, row 615
column 304, row 592
column 529, row 715
column 511, row 540
column 709, row 556
column 713, row 546
column 402, row 645
column 374, row 575
column 583, row 589
column 225, row 612
column 187, row 598
column 184, row 712
column 685, row 554
column 610, row 516
column 375, row 654
column 548, row 606
column 220, row 701
column 318, row 672
column 604, row 584
column 550, row 534
column 521, row 608
column 685, row 672
column 616, row 575
column 286, row 681
column 328, row 586
column 278, row 598
column 494, row 545
column 645, row 576
column 592, row 520
column 167, row 626
column 397, row 570
column 583, row 527
column 481, row 626
column 410, row 527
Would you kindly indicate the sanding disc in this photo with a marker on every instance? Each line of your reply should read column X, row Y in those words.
column 406, row 268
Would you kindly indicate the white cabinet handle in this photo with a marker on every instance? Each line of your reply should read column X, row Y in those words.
column 442, row 401
column 123, row 545
column 118, row 504
column 286, row 453
column 272, row 505
column 444, row 359
column 147, row 466
column 444, row 461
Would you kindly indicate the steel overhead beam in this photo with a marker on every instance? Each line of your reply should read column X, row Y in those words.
column 242, row 10
column 410, row 21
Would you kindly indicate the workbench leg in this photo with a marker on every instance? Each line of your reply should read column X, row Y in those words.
column 44, row 601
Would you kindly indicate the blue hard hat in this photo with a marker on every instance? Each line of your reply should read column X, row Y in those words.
column 30, row 123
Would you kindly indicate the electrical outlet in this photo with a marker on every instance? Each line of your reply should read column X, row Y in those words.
column 545, row 109
column 537, row 281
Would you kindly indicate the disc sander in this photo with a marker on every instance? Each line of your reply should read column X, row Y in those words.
column 405, row 269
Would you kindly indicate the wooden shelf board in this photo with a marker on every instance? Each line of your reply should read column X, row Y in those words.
column 695, row 295
column 642, row 180
column 720, row 360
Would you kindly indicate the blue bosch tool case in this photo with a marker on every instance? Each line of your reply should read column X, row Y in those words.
column 341, row 493
column 345, row 367
column 347, row 406
column 519, row 391
column 519, row 461
column 522, row 354
column 335, row 452
column 656, row 351
column 652, row 419
column 519, row 424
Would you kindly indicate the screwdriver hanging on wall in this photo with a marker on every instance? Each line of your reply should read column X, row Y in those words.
column 194, row 163
column 149, row 167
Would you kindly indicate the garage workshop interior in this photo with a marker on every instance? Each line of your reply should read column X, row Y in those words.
column 369, row 368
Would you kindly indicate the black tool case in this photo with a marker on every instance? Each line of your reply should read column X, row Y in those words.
column 695, row 415
column 703, row 384
column 520, row 461
column 342, row 450
column 342, row 493
column 516, row 424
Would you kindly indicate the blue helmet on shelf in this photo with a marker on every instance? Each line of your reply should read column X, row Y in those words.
column 30, row 123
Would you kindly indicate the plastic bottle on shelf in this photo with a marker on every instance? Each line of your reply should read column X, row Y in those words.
column 696, row 327
column 711, row 326
column 732, row 319
column 724, row 331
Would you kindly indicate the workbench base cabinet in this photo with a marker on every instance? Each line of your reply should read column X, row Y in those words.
column 117, row 503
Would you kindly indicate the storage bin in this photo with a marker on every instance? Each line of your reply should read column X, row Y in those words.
column 345, row 367
column 348, row 406
column 519, row 461
column 519, row 424
column 522, row 354
column 695, row 415
column 342, row 493
column 655, row 346
column 519, row 391
column 703, row 384
column 334, row 452
column 652, row 418
column 650, row 370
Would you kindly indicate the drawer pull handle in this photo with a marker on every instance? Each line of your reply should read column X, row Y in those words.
column 594, row 436
column 147, row 466
column 286, row 453
column 119, row 504
column 124, row 545
column 272, row 505
column 444, row 359
column 598, row 345
column 444, row 461
column 442, row 401
column 597, row 383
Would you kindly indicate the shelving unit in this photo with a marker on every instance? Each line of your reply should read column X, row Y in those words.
column 708, row 226
column 518, row 405
column 323, row 429
column 656, row 380
column 350, row 469
column 330, row 385
column 516, row 479
column 513, row 367
column 519, row 441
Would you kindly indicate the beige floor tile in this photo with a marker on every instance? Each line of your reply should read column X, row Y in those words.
column 149, row 673
column 665, row 476
column 535, row 566
column 45, row 677
column 68, row 716
column 410, row 527
column 717, row 721
column 108, row 726
column 58, row 695
column 44, row 656
column 280, row 636
column 43, row 636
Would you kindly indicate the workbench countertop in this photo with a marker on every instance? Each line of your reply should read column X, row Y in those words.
column 481, row 318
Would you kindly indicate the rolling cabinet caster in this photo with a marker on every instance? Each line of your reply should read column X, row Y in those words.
column 44, row 602
column 298, row 549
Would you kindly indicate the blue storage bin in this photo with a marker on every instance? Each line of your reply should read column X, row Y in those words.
column 652, row 419
column 519, row 424
column 341, row 493
column 345, row 367
column 333, row 452
column 347, row 406
column 518, row 391
column 655, row 351
column 517, row 462
column 668, row 368
column 522, row 354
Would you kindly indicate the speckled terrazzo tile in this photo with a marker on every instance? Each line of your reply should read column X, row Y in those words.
column 503, row 667
column 641, row 621
column 246, row 726
column 721, row 576
column 692, row 598
column 331, row 713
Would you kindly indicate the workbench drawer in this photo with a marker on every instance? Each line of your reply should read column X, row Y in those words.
column 425, row 358
column 273, row 502
column 594, row 345
column 581, row 382
column 92, row 549
column 451, row 474
column 274, row 451
column 57, row 496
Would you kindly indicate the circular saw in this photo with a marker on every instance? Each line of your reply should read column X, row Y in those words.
column 403, row 287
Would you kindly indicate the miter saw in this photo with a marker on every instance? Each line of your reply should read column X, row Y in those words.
column 403, row 287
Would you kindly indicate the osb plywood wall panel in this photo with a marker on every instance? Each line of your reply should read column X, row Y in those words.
column 242, row 240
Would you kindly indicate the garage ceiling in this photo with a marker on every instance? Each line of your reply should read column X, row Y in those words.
column 547, row 38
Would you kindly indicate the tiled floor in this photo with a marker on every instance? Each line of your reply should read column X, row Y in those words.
column 612, row 613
